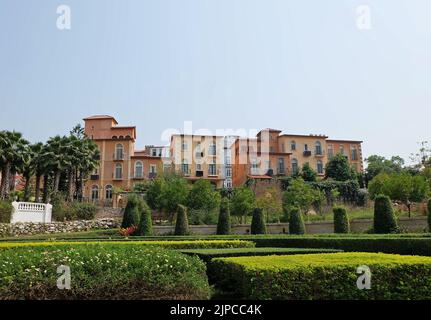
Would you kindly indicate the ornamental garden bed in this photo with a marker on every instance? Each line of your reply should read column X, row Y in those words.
column 184, row 244
column 323, row 276
column 101, row 272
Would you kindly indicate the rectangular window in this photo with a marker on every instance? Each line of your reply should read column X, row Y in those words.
column 153, row 168
column 228, row 172
column 354, row 154
column 212, row 171
column 281, row 165
column 185, row 168
column 184, row 146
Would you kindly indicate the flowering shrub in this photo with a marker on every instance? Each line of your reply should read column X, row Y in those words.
column 126, row 232
column 101, row 272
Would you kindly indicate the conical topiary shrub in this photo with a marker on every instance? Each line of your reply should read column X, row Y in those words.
column 258, row 225
column 132, row 214
column 146, row 224
column 296, row 222
column 384, row 217
column 182, row 223
column 341, row 220
column 223, row 226
column 429, row 215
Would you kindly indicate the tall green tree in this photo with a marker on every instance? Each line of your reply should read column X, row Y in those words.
column 301, row 195
column 308, row 174
column 242, row 202
column 339, row 169
column 202, row 196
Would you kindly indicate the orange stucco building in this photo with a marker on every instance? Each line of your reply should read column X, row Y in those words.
column 272, row 153
column 225, row 161
column 121, row 166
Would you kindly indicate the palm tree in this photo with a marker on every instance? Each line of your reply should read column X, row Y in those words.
column 56, row 155
column 13, row 150
column 31, row 168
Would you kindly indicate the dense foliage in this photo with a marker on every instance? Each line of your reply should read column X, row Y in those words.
column 5, row 212
column 339, row 169
column 101, row 272
column 329, row 276
column 242, row 202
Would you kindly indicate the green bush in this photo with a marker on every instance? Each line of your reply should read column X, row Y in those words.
column 323, row 277
column 145, row 227
column 102, row 272
column 5, row 212
column 59, row 207
column 182, row 223
column 384, row 217
column 83, row 211
column 223, row 226
column 132, row 212
column 296, row 222
column 429, row 215
column 341, row 220
column 258, row 225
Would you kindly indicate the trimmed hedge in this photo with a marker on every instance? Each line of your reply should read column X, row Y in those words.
column 384, row 217
column 181, row 244
column 145, row 227
column 223, row 226
column 208, row 254
column 296, row 222
column 182, row 223
column 341, row 220
column 101, row 272
column 132, row 212
column 324, row 276
column 386, row 244
column 258, row 225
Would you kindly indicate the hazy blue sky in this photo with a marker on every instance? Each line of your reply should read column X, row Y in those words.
column 302, row 66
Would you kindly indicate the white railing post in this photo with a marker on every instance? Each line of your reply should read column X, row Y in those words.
column 48, row 213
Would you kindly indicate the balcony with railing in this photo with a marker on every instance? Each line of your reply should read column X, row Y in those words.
column 307, row 153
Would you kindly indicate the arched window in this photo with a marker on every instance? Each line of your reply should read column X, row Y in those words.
column 294, row 166
column 119, row 152
column 293, row 145
column 94, row 193
column 108, row 192
column 118, row 171
column 139, row 169
column 318, row 148
column 319, row 167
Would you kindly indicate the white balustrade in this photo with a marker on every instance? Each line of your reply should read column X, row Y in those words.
column 31, row 212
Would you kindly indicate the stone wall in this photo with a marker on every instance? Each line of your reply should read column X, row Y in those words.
column 18, row 229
